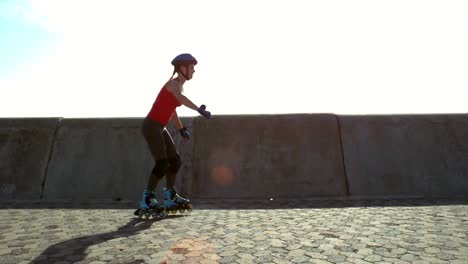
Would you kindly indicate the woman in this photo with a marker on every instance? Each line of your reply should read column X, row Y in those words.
column 160, row 143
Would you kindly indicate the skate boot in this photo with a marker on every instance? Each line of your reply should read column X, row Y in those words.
column 173, row 202
column 149, row 207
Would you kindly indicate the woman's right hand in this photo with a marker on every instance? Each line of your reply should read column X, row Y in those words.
column 203, row 112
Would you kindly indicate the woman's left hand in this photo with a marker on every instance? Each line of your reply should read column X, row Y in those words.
column 184, row 133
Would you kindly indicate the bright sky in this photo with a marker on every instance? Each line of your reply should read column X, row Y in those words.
column 96, row 58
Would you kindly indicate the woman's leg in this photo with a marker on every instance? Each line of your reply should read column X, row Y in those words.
column 153, row 133
column 174, row 160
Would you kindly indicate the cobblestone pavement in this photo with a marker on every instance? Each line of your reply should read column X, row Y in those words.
column 386, row 231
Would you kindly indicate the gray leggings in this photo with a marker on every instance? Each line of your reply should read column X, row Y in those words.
column 163, row 150
column 159, row 140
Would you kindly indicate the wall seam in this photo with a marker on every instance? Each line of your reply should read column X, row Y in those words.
column 52, row 147
column 340, row 135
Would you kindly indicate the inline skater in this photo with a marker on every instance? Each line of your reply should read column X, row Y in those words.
column 160, row 143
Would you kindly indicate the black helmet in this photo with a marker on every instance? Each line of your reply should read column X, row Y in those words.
column 184, row 59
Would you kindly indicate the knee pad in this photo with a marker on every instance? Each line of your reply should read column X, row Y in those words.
column 175, row 164
column 160, row 168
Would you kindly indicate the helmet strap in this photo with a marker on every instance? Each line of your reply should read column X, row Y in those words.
column 186, row 73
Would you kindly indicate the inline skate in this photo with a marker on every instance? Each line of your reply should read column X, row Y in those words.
column 150, row 207
column 173, row 202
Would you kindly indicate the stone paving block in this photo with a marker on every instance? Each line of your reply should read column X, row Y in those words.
column 306, row 235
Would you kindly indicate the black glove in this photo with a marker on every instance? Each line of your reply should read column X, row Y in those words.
column 203, row 112
column 184, row 133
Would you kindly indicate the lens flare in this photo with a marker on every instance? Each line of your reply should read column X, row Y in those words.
column 191, row 250
column 222, row 175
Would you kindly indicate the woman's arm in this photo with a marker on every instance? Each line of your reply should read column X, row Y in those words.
column 176, row 120
column 176, row 89
column 182, row 130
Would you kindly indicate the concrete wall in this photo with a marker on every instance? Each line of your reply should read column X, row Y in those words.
column 99, row 159
column 269, row 156
column 253, row 156
column 406, row 154
column 25, row 146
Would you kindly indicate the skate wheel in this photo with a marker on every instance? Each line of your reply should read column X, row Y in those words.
column 137, row 213
column 181, row 211
column 159, row 215
column 140, row 213
column 147, row 215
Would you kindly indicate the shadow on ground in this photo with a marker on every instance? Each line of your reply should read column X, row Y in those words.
column 327, row 203
column 74, row 250
column 269, row 203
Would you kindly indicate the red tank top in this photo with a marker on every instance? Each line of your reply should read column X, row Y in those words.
column 164, row 107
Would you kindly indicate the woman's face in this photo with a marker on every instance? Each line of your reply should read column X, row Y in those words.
column 188, row 70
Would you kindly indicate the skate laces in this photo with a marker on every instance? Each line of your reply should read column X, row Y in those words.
column 174, row 196
column 178, row 198
column 153, row 202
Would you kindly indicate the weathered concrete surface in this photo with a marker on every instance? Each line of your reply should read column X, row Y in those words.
column 99, row 159
column 258, row 156
column 268, row 156
column 386, row 231
column 406, row 155
column 25, row 145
